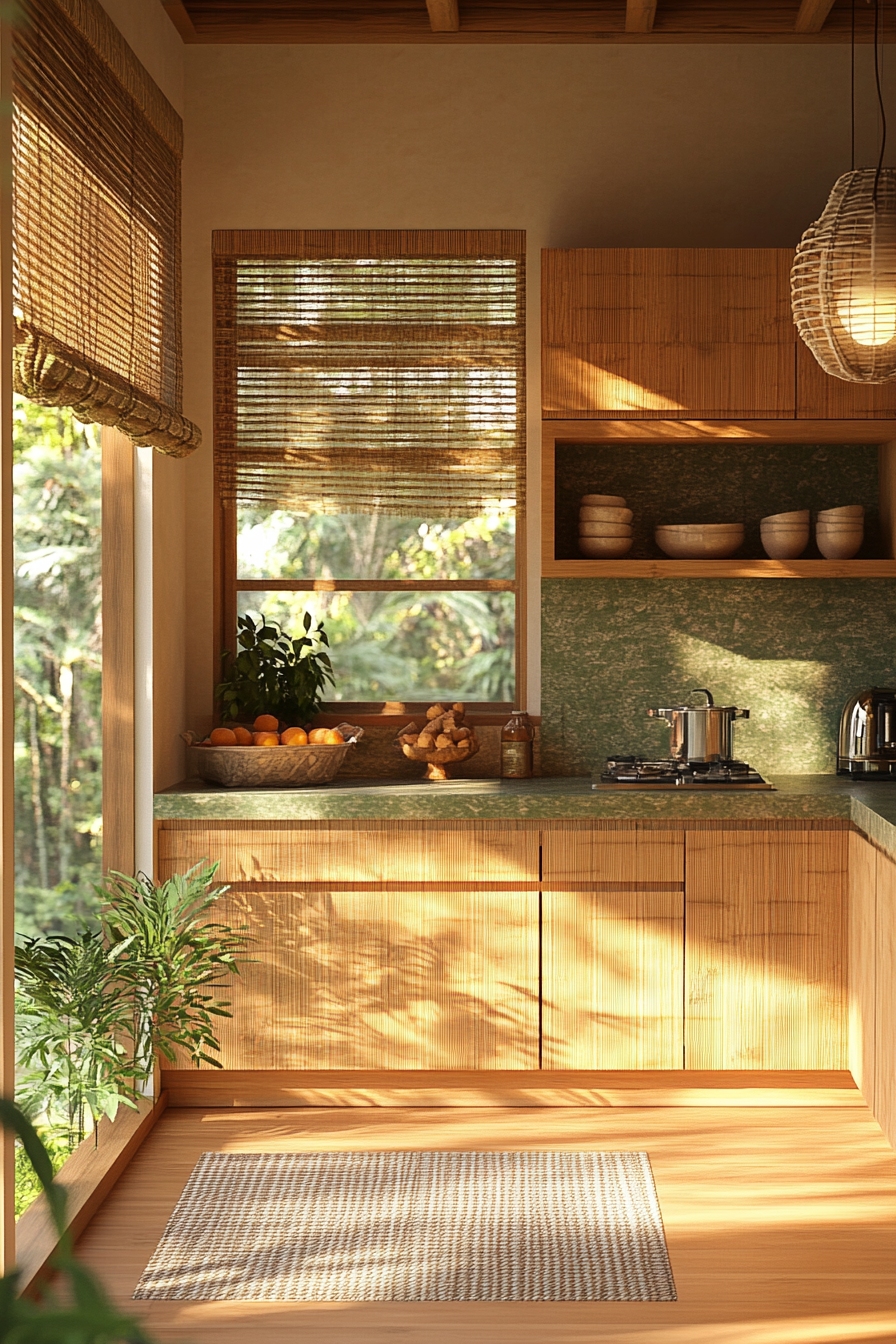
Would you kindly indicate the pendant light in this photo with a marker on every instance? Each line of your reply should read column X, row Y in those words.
column 843, row 281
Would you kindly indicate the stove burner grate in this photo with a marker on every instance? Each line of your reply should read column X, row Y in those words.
column 640, row 773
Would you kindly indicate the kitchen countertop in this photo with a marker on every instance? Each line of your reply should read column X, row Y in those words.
column 872, row 806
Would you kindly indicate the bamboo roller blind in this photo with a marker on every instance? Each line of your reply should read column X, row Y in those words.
column 370, row 371
column 96, row 159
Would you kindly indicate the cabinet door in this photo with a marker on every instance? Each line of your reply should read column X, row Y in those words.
column 765, row 950
column 612, row 980
column 821, row 397
column 384, row 980
column 660, row 332
column 583, row 854
column 884, row 1105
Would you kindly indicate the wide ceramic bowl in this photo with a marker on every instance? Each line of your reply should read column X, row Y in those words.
column 272, row 767
column 699, row 541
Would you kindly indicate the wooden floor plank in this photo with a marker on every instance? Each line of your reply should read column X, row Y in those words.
column 780, row 1222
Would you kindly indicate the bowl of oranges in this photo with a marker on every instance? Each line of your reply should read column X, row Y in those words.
column 270, row 755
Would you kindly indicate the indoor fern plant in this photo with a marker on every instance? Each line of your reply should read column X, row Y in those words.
column 274, row 674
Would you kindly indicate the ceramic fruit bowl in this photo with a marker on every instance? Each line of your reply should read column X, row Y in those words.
column 442, row 742
column 279, row 767
column 699, row 541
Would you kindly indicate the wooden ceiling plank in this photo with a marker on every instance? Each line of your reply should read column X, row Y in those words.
column 639, row 16
column 444, row 16
column 180, row 18
column 812, row 15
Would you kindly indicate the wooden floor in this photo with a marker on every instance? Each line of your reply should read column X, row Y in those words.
column 781, row 1225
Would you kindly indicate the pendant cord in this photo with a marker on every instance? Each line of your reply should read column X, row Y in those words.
column 852, row 88
column 880, row 98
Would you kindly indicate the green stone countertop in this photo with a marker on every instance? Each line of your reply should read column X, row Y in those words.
column 872, row 807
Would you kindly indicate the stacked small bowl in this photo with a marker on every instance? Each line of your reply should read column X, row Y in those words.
column 839, row 533
column 785, row 535
column 605, row 527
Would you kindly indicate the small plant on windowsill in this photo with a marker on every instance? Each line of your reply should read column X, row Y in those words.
column 274, row 674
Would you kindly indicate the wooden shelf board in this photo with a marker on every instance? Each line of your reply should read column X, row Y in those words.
column 594, row 429
column 719, row 569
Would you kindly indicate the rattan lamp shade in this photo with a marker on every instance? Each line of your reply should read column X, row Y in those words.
column 843, row 282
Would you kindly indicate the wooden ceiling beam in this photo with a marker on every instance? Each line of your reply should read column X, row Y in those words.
column 812, row 15
column 443, row 16
column 180, row 18
column 639, row 16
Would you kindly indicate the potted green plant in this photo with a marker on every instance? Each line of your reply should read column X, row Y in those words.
column 82, row 1313
column 274, row 674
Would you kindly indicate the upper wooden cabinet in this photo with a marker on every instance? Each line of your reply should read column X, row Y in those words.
column 675, row 333
column 667, row 333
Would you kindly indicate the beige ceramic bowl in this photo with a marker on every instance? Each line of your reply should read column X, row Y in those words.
column 784, row 542
column 604, row 501
column 605, row 548
column 839, row 541
column 795, row 516
column 847, row 512
column 699, row 541
column 605, row 529
column 589, row 514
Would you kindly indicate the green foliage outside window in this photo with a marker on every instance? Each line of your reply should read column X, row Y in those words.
column 404, row 645
column 58, row 654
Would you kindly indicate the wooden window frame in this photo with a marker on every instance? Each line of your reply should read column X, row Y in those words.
column 227, row 586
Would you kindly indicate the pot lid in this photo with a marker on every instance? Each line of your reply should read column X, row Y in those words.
column 692, row 707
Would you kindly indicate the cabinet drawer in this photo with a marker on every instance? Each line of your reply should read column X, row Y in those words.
column 582, row 855
column 290, row 853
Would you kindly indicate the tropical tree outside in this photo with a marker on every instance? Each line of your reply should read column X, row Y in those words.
column 391, row 645
column 57, row 482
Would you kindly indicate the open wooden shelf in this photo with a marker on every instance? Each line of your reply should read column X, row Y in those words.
column 883, row 433
column 719, row 569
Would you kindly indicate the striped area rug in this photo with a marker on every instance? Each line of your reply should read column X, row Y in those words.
column 415, row 1227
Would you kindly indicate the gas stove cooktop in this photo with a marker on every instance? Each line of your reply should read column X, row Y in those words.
column 636, row 772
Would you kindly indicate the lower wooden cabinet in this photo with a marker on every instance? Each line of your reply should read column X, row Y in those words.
column 765, row 959
column 612, row 965
column 417, row 979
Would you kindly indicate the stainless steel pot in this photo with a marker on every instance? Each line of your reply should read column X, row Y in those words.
column 701, row 732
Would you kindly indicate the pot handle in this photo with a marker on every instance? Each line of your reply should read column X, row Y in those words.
column 701, row 690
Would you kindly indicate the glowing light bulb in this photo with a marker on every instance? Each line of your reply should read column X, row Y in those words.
column 868, row 313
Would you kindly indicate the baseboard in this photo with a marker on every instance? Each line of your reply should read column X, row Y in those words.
column 413, row 1087
column 87, row 1177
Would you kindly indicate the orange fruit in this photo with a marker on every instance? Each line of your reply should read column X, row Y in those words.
column 266, row 723
column 223, row 737
column 243, row 737
column 318, row 735
column 266, row 739
column 334, row 736
column 294, row 737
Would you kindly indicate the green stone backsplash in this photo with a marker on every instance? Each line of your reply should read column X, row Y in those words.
column 790, row 650
column 722, row 483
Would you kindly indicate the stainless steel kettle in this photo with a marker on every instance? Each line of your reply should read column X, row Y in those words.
column 701, row 732
column 867, row 747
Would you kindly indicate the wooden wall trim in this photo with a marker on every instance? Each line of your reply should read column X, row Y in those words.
column 118, row 651
column 415, row 1087
column 87, row 1177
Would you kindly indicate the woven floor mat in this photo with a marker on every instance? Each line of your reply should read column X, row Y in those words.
column 415, row 1227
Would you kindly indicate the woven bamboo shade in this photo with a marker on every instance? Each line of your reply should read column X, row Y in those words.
column 370, row 371
column 843, row 282
column 96, row 159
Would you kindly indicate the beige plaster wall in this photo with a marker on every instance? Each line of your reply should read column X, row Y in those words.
column 579, row 145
